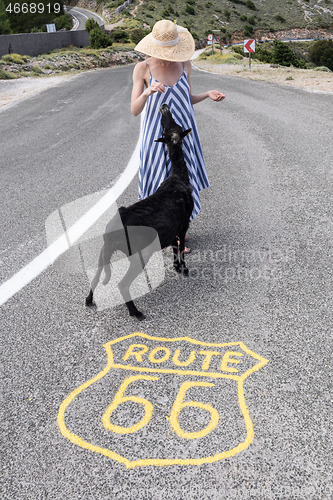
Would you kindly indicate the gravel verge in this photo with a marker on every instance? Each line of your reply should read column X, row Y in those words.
column 308, row 79
column 15, row 91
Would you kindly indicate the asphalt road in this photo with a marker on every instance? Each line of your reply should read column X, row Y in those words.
column 256, row 306
column 82, row 15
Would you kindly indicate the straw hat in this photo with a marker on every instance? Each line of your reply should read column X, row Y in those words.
column 168, row 41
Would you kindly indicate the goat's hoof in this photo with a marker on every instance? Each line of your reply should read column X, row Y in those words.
column 139, row 315
column 184, row 271
column 181, row 269
column 89, row 299
column 90, row 302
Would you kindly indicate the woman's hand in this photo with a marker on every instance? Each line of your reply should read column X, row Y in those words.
column 215, row 95
column 154, row 87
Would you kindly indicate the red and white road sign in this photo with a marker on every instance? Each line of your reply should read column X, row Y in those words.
column 210, row 37
column 249, row 46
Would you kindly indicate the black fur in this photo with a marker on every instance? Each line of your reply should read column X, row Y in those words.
column 166, row 212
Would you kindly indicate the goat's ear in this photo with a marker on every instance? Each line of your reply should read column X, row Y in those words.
column 161, row 139
column 186, row 132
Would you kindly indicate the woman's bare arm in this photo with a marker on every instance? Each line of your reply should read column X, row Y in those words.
column 140, row 94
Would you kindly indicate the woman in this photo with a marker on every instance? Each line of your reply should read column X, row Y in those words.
column 165, row 77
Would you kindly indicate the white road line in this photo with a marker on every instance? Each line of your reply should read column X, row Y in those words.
column 63, row 243
column 79, row 12
column 95, row 15
column 76, row 23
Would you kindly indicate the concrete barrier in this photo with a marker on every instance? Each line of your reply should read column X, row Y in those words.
column 123, row 6
column 33, row 44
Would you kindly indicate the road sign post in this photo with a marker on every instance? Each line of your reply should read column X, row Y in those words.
column 211, row 42
column 220, row 38
column 249, row 48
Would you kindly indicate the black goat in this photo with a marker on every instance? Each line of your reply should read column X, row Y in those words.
column 166, row 212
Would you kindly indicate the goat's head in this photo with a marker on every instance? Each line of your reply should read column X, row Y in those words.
column 173, row 134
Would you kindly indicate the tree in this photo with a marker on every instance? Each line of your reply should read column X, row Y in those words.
column 25, row 16
column 4, row 21
column 282, row 54
column 321, row 53
column 91, row 24
column 98, row 39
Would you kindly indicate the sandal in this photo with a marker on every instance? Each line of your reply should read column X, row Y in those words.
column 186, row 249
column 186, row 238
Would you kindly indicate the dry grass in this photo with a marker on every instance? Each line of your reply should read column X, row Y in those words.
column 292, row 77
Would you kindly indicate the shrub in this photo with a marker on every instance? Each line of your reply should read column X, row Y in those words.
column 98, row 39
column 323, row 68
column 280, row 19
column 278, row 53
column 136, row 34
column 227, row 14
column 321, row 53
column 13, row 58
column 190, row 10
column 248, row 30
column 37, row 70
column 250, row 5
column 221, row 59
column 91, row 24
column 282, row 54
column 263, row 55
column 238, row 49
column 131, row 31
column 120, row 35
column 5, row 75
column 63, row 22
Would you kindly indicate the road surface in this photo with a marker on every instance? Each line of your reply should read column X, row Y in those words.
column 81, row 16
column 229, row 398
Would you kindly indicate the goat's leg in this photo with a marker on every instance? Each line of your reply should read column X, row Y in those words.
column 182, row 266
column 94, row 283
column 176, row 262
column 136, row 267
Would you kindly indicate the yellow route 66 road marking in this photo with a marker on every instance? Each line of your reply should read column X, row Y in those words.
column 148, row 417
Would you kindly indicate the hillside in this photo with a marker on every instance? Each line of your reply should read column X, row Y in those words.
column 235, row 19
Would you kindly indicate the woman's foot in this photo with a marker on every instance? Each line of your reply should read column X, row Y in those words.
column 186, row 249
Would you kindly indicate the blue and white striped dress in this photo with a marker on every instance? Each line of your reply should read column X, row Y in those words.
column 155, row 165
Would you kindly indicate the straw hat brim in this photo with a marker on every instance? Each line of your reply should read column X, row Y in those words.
column 180, row 52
